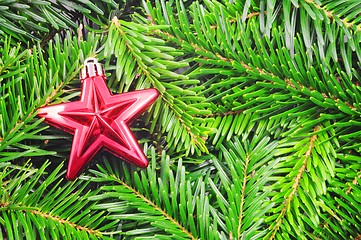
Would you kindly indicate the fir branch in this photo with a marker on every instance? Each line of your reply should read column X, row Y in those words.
column 41, row 20
column 148, row 62
column 31, row 114
column 222, row 114
column 164, row 201
column 34, row 198
column 295, row 185
column 249, row 16
column 263, row 73
column 241, row 213
column 238, row 203
column 354, row 182
column 325, row 224
column 57, row 219
column 35, row 85
column 152, row 79
column 153, row 205
column 332, row 16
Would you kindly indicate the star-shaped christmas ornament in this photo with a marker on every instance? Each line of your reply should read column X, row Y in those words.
column 100, row 120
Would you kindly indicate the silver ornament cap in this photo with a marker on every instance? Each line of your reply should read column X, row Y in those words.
column 91, row 69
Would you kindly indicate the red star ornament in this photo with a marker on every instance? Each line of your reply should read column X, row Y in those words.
column 100, row 120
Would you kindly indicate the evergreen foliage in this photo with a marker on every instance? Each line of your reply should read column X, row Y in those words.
column 255, row 134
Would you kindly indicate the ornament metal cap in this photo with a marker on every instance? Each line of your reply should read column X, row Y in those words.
column 91, row 69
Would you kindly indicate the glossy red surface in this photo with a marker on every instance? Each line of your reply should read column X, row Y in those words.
column 100, row 120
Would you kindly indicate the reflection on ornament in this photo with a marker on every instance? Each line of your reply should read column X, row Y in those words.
column 100, row 120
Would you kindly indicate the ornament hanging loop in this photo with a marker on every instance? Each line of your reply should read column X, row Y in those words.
column 91, row 69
